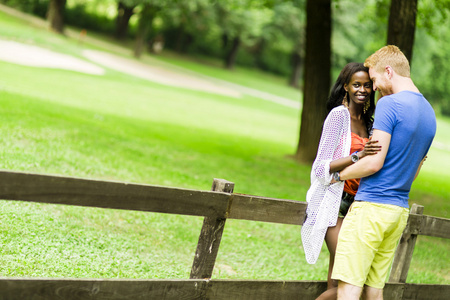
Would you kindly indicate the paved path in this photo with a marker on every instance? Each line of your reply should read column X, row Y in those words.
column 164, row 73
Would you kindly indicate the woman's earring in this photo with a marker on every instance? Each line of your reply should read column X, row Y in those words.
column 366, row 106
column 344, row 100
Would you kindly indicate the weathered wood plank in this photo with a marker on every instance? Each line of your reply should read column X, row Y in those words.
column 210, row 237
column 119, row 195
column 437, row 227
column 426, row 292
column 254, row 208
column 405, row 249
column 109, row 194
column 87, row 289
column 264, row 289
column 100, row 289
column 187, row 289
column 393, row 291
column 414, row 222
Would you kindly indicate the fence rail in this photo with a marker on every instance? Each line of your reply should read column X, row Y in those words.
column 216, row 206
column 110, row 289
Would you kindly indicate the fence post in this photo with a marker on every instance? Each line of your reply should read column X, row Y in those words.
column 405, row 249
column 210, row 236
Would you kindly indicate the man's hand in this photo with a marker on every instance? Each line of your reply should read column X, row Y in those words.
column 371, row 148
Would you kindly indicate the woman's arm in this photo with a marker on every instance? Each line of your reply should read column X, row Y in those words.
column 329, row 140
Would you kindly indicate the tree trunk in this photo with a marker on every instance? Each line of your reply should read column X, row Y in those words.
column 124, row 14
column 224, row 40
column 317, row 77
column 55, row 15
column 230, row 58
column 145, row 23
column 402, row 25
column 258, row 51
column 296, row 68
column 184, row 40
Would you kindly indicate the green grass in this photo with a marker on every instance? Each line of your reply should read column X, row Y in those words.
column 118, row 127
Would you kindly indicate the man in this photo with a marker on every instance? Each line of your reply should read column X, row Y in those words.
column 405, row 125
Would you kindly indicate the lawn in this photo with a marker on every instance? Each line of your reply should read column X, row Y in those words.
column 119, row 127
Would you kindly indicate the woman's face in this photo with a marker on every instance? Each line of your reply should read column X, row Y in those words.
column 359, row 88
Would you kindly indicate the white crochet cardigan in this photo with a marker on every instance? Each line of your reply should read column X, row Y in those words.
column 324, row 198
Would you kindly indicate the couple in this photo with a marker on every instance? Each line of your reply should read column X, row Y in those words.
column 386, row 153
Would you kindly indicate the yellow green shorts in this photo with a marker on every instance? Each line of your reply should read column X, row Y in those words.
column 367, row 243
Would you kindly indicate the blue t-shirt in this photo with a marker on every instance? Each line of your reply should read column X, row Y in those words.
column 411, row 122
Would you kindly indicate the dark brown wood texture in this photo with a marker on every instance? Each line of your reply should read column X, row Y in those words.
column 119, row 195
column 405, row 249
column 402, row 25
column 317, row 75
column 108, row 194
column 437, row 227
column 255, row 208
column 428, row 225
column 179, row 289
column 210, row 237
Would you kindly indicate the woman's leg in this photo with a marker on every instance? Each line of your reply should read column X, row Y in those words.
column 331, row 238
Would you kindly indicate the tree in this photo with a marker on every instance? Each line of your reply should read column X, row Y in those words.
column 146, row 17
column 125, row 10
column 402, row 25
column 55, row 15
column 433, row 51
column 149, row 10
column 316, row 78
column 186, row 23
column 241, row 22
column 288, row 22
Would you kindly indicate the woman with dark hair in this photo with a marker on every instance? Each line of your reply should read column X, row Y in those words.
column 345, row 139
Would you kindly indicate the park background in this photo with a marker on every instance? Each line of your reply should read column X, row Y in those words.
column 123, row 127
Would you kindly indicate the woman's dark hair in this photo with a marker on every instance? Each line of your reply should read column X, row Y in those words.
column 338, row 92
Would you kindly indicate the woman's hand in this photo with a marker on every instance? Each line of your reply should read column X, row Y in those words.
column 371, row 148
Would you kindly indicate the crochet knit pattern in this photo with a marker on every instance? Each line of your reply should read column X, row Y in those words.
column 324, row 198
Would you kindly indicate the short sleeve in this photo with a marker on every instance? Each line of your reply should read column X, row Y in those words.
column 385, row 115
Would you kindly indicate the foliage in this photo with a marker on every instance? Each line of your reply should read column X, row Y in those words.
column 432, row 53
column 79, row 16
column 185, row 23
column 281, row 36
column 433, row 77
column 36, row 7
column 286, row 30
column 352, row 21
column 431, row 14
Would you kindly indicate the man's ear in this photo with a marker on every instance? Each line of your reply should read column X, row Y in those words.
column 389, row 71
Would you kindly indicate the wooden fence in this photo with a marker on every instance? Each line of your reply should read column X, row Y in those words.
column 216, row 206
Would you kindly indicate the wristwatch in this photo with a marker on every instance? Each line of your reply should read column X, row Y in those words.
column 336, row 176
column 354, row 156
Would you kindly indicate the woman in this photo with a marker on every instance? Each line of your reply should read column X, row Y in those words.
column 344, row 140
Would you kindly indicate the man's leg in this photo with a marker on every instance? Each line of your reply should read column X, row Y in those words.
column 347, row 291
column 353, row 255
column 371, row 293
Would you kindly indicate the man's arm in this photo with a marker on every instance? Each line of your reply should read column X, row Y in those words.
column 420, row 167
column 372, row 163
